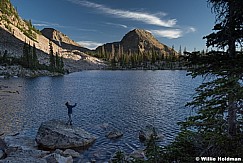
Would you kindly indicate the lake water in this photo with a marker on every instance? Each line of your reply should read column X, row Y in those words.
column 127, row 100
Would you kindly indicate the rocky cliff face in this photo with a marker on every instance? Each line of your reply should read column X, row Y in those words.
column 14, row 31
column 62, row 40
column 138, row 41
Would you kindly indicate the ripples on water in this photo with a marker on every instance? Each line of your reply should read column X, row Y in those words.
column 127, row 100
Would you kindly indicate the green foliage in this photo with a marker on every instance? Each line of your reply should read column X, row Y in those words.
column 153, row 59
column 190, row 144
column 29, row 58
column 30, row 31
column 9, row 11
column 216, row 129
column 5, row 59
column 184, row 148
column 152, row 151
column 6, row 7
column 120, row 157
column 56, row 62
column 52, row 57
column 219, row 101
column 34, row 58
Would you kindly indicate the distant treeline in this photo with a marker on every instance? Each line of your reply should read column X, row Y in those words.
column 152, row 59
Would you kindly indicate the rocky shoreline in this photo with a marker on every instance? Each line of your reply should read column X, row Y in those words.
column 58, row 139
column 19, row 71
column 18, row 148
column 57, row 142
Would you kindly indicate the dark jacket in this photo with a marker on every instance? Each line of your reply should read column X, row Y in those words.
column 70, row 107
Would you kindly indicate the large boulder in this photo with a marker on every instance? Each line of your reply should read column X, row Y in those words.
column 56, row 134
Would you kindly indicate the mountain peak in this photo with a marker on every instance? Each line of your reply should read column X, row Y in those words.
column 139, row 35
column 139, row 41
column 141, row 31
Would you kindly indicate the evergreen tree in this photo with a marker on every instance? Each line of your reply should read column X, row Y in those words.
column 5, row 55
column 153, row 59
column 226, row 66
column 219, row 99
column 35, row 58
column 103, row 51
column 25, row 55
column 30, row 56
column 52, row 57
column 57, row 61
column 4, row 58
column 180, row 51
column 184, row 51
column 217, row 128
column 62, row 64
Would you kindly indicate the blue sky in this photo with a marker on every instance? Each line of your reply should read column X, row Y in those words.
column 94, row 22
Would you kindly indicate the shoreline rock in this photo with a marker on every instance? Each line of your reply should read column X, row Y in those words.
column 55, row 134
column 21, row 148
column 16, row 71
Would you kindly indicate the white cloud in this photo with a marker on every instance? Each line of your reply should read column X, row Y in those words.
column 168, row 33
column 119, row 25
column 39, row 23
column 173, row 33
column 138, row 16
column 89, row 44
column 191, row 29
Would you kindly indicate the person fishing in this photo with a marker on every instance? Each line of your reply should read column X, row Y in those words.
column 70, row 111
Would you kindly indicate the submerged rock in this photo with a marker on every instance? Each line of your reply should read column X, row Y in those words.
column 15, row 141
column 149, row 132
column 111, row 132
column 57, row 158
column 114, row 134
column 2, row 154
column 70, row 152
column 138, row 155
column 3, row 148
column 56, row 134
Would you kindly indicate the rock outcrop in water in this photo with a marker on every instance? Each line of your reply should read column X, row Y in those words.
column 56, row 134
column 148, row 132
column 114, row 134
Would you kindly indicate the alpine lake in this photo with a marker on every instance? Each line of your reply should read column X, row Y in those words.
column 126, row 100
